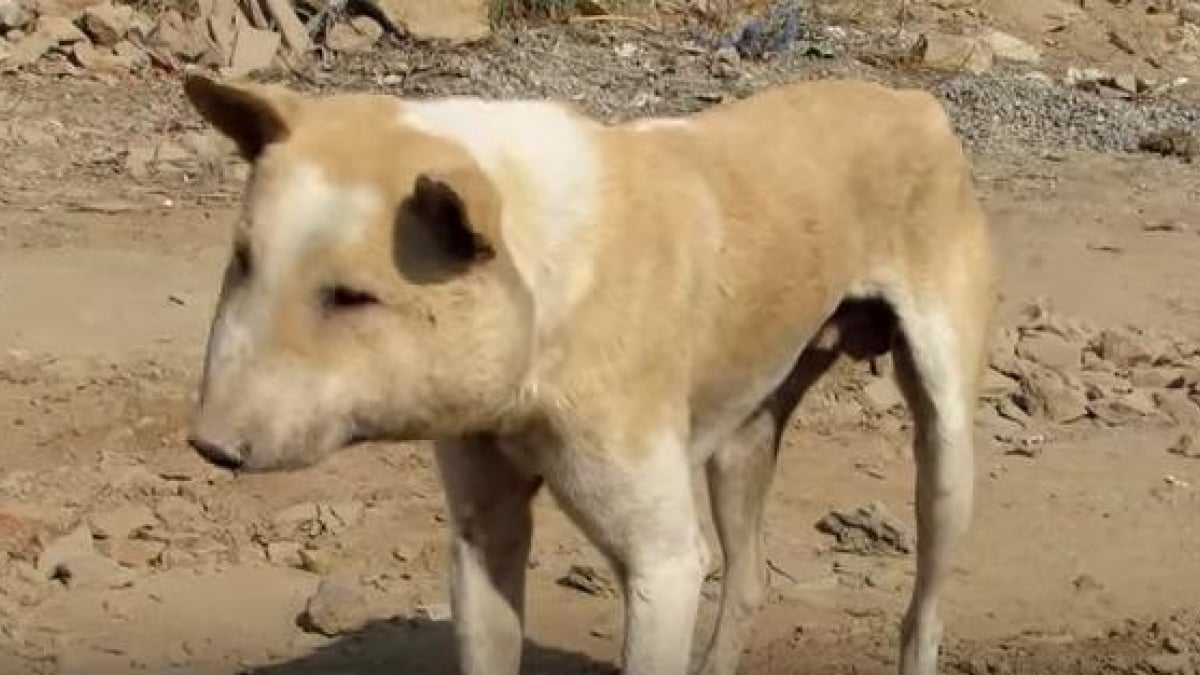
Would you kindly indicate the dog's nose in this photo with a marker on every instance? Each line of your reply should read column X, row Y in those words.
column 226, row 457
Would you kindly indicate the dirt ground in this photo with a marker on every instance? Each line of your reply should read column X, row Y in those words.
column 115, row 207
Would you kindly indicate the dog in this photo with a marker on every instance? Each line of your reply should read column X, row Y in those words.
column 599, row 309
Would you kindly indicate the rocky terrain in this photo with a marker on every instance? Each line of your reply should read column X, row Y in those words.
column 120, row 552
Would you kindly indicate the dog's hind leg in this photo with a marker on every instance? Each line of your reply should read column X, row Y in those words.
column 938, row 364
column 489, row 502
column 739, row 475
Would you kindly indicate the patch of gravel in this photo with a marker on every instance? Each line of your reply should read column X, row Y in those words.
column 1012, row 110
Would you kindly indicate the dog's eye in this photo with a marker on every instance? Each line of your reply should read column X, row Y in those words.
column 343, row 297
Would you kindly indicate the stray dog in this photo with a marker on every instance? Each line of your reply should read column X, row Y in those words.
column 600, row 309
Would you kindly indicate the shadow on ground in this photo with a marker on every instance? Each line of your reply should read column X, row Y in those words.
column 418, row 647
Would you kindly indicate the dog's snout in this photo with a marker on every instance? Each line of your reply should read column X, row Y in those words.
column 222, row 455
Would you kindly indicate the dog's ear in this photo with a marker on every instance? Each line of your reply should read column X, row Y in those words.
column 252, row 115
column 450, row 221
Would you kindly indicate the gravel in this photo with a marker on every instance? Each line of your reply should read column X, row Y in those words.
column 996, row 110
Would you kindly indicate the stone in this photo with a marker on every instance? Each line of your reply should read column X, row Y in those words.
column 107, row 23
column 1168, row 664
column 134, row 553
column 882, row 395
column 13, row 15
column 1051, row 395
column 317, row 562
column 1190, row 12
column 99, row 59
column 1186, row 447
column 1126, row 82
column 27, row 51
column 93, row 572
column 285, row 554
column 1124, row 348
column 587, row 579
column 1123, row 410
column 1051, row 350
column 295, row 517
column 1104, row 384
column 1011, row 48
column 253, row 50
column 955, row 53
column 70, row 9
column 63, row 31
column 122, row 522
column 451, row 20
column 173, row 35
column 356, row 35
column 178, row 513
column 336, row 608
column 997, row 385
column 1182, row 409
column 337, row 518
column 867, row 530
column 76, row 543
column 131, row 55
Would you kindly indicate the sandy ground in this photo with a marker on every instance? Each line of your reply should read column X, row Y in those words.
column 1084, row 558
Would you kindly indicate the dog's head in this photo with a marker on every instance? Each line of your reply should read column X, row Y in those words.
column 368, row 294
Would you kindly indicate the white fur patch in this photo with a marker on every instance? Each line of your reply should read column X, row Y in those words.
column 309, row 210
column 545, row 164
column 659, row 124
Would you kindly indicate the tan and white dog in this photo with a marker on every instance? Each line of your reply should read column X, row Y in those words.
column 599, row 309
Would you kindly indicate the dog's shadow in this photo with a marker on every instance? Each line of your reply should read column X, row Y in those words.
column 417, row 647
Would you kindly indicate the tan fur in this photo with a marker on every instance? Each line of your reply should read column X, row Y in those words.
column 704, row 257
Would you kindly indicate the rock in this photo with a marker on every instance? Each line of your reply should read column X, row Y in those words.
column 131, row 55
column 451, row 20
column 59, row 29
column 107, row 23
column 134, row 553
column 1190, row 12
column 882, row 395
column 1052, row 351
column 13, row 15
column 1127, row 83
column 1185, row 447
column 295, row 517
column 1182, row 409
column 954, row 53
column 100, row 60
column 1011, row 48
column 337, row 518
column 1100, row 384
column 174, row 36
column 253, row 50
column 336, row 608
column 92, row 572
column 27, row 51
column 1085, row 78
column 1051, row 395
column 356, row 35
column 1087, row 583
column 1124, row 348
column 589, row 580
column 76, row 543
column 291, row 29
column 868, row 530
column 285, row 554
column 1124, row 409
column 122, row 522
column 178, row 513
column 997, row 385
column 1175, row 142
column 1168, row 664
column 317, row 562
column 70, row 9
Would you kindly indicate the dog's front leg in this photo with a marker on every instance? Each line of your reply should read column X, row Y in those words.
column 489, row 501
column 637, row 507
